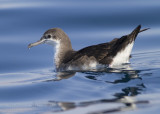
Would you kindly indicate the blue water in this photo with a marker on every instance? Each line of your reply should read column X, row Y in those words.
column 28, row 81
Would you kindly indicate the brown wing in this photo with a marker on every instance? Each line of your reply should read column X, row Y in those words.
column 103, row 53
column 95, row 52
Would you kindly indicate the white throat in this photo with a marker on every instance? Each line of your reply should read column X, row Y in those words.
column 57, row 53
column 56, row 46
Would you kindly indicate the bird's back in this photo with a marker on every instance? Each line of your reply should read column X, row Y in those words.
column 114, row 52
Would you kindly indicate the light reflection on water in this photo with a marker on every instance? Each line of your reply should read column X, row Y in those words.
column 28, row 82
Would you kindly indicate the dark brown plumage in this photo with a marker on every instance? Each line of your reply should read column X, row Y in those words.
column 104, row 52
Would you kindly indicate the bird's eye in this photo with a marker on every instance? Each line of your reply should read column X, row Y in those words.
column 49, row 36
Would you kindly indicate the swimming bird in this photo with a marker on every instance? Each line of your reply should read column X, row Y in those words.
column 110, row 54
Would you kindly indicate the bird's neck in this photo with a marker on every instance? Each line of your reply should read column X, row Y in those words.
column 60, row 53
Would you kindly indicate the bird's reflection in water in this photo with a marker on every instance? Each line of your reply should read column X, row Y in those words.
column 130, row 91
column 128, row 101
column 125, row 96
column 62, row 75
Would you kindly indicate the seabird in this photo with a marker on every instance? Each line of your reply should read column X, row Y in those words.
column 109, row 54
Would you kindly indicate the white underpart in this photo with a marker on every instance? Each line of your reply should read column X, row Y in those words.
column 123, row 56
column 93, row 65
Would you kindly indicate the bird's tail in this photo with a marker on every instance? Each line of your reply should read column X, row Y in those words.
column 122, row 47
column 132, row 36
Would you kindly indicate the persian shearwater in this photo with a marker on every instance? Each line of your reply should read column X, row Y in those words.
column 109, row 54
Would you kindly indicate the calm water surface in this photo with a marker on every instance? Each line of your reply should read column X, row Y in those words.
column 28, row 81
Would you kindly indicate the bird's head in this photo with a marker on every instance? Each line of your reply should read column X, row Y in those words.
column 52, row 37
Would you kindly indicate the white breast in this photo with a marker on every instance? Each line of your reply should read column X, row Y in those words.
column 122, row 56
